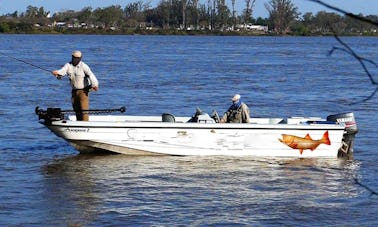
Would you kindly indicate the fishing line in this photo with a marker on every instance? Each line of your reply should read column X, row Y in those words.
column 28, row 63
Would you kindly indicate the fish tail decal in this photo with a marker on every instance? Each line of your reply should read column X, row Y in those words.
column 325, row 138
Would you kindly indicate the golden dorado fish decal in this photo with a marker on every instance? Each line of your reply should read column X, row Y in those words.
column 304, row 143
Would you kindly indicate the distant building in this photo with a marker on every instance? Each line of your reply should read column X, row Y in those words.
column 252, row 27
column 59, row 24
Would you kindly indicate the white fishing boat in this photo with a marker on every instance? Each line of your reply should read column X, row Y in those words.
column 165, row 134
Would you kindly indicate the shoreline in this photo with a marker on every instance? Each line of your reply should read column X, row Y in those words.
column 182, row 33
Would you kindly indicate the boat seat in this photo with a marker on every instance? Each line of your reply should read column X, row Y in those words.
column 167, row 117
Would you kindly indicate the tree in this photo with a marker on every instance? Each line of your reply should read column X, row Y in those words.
column 135, row 13
column 31, row 12
column 281, row 13
column 248, row 11
column 66, row 16
column 203, row 16
column 36, row 15
column 233, row 14
column 85, row 15
column 195, row 13
column 184, row 3
column 135, row 10
column 329, row 22
column 109, row 16
column 161, row 15
column 4, row 27
column 223, row 14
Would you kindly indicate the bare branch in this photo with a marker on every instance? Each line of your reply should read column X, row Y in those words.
column 372, row 192
column 355, row 16
column 362, row 61
column 349, row 50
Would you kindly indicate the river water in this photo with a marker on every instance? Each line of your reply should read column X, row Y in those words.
column 45, row 182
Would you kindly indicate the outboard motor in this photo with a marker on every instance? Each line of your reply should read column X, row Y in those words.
column 346, row 150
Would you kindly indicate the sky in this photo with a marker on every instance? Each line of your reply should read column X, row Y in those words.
column 366, row 7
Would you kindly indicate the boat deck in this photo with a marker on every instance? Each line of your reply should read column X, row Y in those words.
column 130, row 118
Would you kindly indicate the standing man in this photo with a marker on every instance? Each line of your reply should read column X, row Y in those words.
column 238, row 112
column 82, row 81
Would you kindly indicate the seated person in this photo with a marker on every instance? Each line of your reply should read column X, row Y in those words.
column 238, row 112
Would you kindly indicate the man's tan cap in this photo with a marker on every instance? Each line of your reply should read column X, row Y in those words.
column 76, row 54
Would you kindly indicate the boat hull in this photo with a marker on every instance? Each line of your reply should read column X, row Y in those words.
column 159, row 138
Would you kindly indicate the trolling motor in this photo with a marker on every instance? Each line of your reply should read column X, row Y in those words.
column 346, row 150
column 49, row 115
column 57, row 114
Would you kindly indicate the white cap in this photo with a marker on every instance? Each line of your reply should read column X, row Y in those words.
column 76, row 54
column 235, row 98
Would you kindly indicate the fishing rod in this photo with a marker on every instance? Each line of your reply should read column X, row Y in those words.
column 28, row 63
column 98, row 111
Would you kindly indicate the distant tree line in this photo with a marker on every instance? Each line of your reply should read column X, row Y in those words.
column 185, row 16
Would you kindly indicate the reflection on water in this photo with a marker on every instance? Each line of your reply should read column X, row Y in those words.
column 196, row 190
column 70, row 192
